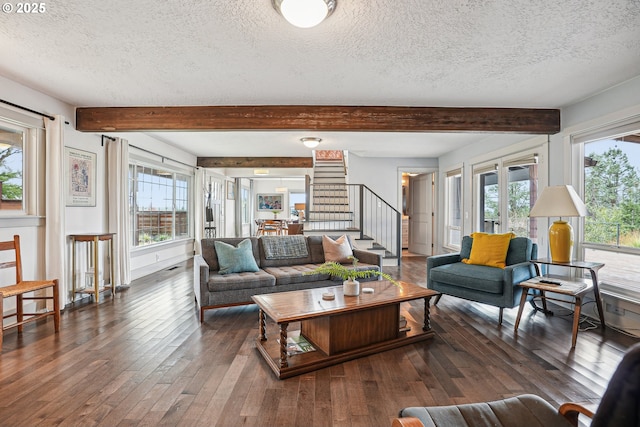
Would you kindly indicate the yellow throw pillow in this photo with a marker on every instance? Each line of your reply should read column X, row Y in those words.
column 489, row 249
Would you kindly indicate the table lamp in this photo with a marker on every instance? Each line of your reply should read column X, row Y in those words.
column 300, row 207
column 560, row 201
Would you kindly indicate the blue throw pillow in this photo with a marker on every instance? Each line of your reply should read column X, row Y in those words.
column 236, row 259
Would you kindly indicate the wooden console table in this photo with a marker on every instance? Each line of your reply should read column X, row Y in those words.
column 94, row 239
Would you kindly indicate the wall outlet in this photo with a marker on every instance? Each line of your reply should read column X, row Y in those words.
column 614, row 309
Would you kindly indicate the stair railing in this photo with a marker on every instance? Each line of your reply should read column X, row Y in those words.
column 363, row 211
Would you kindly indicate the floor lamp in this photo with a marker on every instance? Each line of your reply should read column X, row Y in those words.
column 559, row 201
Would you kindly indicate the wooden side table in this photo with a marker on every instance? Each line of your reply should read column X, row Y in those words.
column 575, row 288
column 593, row 268
column 94, row 239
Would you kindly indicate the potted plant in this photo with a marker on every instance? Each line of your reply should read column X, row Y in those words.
column 275, row 213
column 350, row 286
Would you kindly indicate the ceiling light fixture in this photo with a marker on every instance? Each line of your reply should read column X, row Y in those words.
column 304, row 13
column 261, row 171
column 310, row 142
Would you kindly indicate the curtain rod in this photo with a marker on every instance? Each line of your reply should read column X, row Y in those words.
column 162, row 157
column 29, row 110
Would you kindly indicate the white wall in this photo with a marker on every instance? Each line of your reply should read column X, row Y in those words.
column 382, row 175
column 86, row 219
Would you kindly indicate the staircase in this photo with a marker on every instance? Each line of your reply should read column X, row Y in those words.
column 330, row 199
column 339, row 208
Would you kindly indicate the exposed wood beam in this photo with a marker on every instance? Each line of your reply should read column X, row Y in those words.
column 314, row 117
column 255, row 162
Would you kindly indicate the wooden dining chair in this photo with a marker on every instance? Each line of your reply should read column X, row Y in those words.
column 272, row 227
column 259, row 227
column 295, row 228
column 22, row 287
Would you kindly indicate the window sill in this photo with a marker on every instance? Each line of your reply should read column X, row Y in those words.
column 21, row 221
column 160, row 245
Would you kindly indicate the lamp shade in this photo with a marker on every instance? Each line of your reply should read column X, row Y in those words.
column 558, row 200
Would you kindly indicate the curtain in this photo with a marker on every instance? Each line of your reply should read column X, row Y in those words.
column 55, row 240
column 118, row 201
column 198, row 217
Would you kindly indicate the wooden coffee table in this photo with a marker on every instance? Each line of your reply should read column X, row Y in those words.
column 341, row 329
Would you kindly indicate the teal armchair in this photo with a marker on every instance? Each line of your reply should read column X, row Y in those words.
column 498, row 287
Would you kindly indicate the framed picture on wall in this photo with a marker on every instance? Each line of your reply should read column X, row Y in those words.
column 270, row 202
column 80, row 177
column 231, row 190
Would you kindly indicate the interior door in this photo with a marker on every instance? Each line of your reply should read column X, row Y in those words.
column 421, row 214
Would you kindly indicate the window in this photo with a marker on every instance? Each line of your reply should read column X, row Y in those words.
column 244, row 196
column 506, row 189
column 297, row 206
column 609, row 161
column 488, row 212
column 160, row 205
column 522, row 193
column 11, row 167
column 453, row 208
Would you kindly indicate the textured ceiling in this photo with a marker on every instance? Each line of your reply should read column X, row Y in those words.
column 501, row 53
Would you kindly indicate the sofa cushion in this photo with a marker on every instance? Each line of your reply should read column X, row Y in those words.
column 238, row 259
column 284, row 247
column 474, row 277
column 277, row 262
column 520, row 250
column 489, row 249
column 315, row 247
column 338, row 250
column 465, row 247
column 235, row 281
column 289, row 274
column 211, row 257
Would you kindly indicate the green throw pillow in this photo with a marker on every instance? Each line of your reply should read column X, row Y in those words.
column 236, row 260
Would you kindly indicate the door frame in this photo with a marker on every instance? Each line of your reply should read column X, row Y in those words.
column 435, row 240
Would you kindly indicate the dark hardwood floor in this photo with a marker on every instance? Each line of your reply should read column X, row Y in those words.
column 142, row 358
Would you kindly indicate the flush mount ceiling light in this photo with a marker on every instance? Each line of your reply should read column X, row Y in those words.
column 310, row 142
column 304, row 13
column 261, row 171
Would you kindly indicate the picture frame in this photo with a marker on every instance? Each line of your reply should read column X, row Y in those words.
column 269, row 202
column 231, row 190
column 80, row 177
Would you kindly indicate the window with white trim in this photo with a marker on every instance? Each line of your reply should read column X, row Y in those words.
column 159, row 204
column 21, row 163
column 453, row 208
column 609, row 163
column 505, row 190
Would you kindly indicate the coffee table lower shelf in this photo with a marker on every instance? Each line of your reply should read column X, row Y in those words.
column 314, row 360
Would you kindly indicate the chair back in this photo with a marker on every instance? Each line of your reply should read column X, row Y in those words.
column 620, row 405
column 295, row 228
column 16, row 261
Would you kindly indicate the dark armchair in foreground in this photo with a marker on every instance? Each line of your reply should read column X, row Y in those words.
column 619, row 407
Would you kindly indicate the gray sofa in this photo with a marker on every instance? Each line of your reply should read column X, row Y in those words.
column 448, row 275
column 214, row 290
